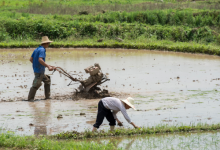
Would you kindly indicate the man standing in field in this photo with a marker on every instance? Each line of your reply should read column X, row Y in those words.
column 38, row 60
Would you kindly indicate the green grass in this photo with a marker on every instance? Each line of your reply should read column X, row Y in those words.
column 24, row 3
column 94, row 6
column 150, row 44
column 12, row 141
column 9, row 140
column 184, row 30
column 202, row 140
column 206, row 31
column 159, row 129
column 167, row 30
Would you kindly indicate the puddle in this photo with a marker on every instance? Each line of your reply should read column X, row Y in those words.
column 169, row 88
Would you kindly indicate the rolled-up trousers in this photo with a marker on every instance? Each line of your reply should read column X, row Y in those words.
column 102, row 113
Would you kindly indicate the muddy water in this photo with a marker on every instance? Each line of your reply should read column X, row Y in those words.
column 169, row 88
column 195, row 141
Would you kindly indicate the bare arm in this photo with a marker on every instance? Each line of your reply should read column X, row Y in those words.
column 134, row 125
column 120, row 123
column 41, row 61
column 31, row 59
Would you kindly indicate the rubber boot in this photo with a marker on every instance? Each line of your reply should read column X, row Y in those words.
column 32, row 94
column 47, row 91
column 112, row 128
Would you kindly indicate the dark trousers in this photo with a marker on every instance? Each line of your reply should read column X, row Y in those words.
column 39, row 77
column 102, row 113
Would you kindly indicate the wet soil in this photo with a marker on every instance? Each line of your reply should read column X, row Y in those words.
column 169, row 88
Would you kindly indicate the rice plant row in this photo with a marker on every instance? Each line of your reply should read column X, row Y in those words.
column 187, row 17
column 149, row 45
column 165, row 17
column 159, row 129
column 34, row 29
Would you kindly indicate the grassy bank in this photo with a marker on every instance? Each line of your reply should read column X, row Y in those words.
column 170, row 25
column 159, row 129
column 96, row 6
column 149, row 44
column 9, row 140
column 185, row 30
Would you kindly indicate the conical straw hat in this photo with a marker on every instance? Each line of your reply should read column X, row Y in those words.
column 128, row 102
column 45, row 39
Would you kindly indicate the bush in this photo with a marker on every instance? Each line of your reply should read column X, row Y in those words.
column 3, row 33
column 26, row 28
column 162, row 17
column 218, row 39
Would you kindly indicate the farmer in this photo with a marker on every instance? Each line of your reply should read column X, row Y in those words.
column 38, row 60
column 104, row 110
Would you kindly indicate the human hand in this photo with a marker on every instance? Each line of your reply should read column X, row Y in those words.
column 53, row 67
column 120, row 124
column 50, row 68
column 136, row 127
column 94, row 129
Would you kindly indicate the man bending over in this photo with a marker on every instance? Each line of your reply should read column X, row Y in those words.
column 104, row 110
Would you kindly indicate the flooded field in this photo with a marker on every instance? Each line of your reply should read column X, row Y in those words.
column 169, row 88
column 195, row 141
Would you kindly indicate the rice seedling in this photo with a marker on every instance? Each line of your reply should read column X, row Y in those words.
column 159, row 129
column 208, row 140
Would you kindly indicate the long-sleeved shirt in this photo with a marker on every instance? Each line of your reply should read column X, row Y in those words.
column 115, row 105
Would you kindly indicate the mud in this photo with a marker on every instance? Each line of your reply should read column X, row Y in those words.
column 93, row 93
column 169, row 88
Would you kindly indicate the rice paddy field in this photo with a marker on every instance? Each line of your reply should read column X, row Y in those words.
column 176, row 86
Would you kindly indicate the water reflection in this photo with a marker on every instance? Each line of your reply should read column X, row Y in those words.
column 198, row 141
column 41, row 117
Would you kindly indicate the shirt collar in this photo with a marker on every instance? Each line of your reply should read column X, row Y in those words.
column 42, row 47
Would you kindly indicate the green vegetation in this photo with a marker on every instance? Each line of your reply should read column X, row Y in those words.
column 94, row 6
column 9, row 140
column 134, row 44
column 159, row 129
column 166, row 25
column 207, row 94
column 201, row 141
column 88, row 23
column 180, row 26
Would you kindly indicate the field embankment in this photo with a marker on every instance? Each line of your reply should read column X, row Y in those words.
column 176, row 30
column 9, row 140
column 159, row 129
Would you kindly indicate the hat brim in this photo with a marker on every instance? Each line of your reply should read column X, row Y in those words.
column 46, row 42
column 129, row 104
